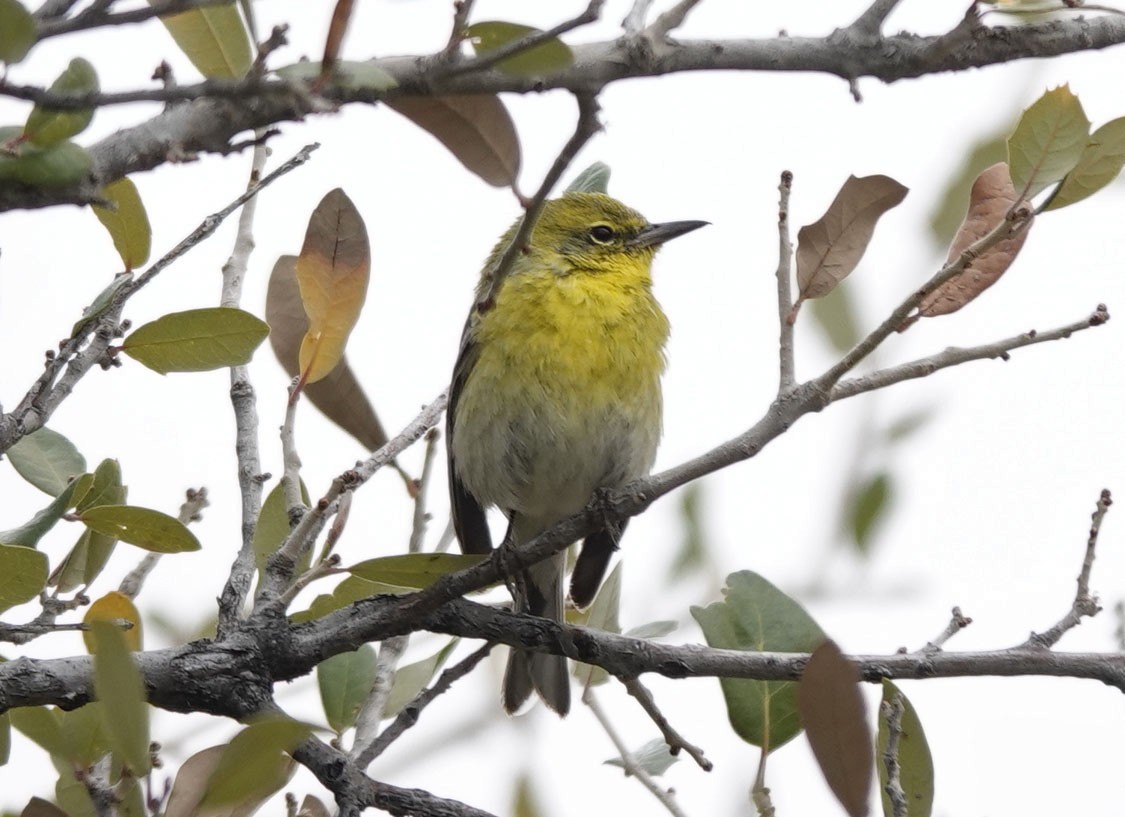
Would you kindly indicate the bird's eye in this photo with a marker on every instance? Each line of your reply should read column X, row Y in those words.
column 602, row 234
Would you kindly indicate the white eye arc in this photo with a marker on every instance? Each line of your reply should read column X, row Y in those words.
column 602, row 234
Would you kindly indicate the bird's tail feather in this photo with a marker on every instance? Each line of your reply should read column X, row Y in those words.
column 540, row 672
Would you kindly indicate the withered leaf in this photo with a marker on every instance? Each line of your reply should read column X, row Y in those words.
column 475, row 128
column 834, row 716
column 830, row 248
column 991, row 197
column 337, row 394
column 332, row 273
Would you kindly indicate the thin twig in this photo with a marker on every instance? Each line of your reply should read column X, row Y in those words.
column 760, row 793
column 1085, row 604
column 634, row 22
column 409, row 715
column 672, row 19
column 632, row 767
column 957, row 622
column 98, row 17
column 421, row 516
column 245, row 406
column 871, row 21
column 370, row 715
column 787, row 377
column 462, row 10
column 892, row 711
column 673, row 738
column 324, row 567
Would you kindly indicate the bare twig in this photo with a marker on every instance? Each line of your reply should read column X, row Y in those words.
column 190, row 511
column 370, row 715
column 760, row 793
column 892, row 711
column 665, row 797
column 421, row 516
column 672, row 19
column 673, row 738
column 787, row 377
column 870, row 23
column 634, row 21
column 462, row 10
column 98, row 16
column 1085, row 604
column 957, row 622
column 409, row 716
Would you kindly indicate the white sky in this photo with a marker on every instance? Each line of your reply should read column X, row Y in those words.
column 993, row 496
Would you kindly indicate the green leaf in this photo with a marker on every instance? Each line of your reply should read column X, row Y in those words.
column 126, row 220
column 72, row 797
column 106, row 488
column 416, row 570
column 603, row 615
column 868, row 508
column 197, row 340
column 654, row 629
column 350, row 74
column 214, row 38
column 254, row 764
column 47, row 460
column 549, row 57
column 118, row 685
column 48, row 126
column 85, row 735
column 1048, row 141
column 350, row 590
column 594, row 179
column 654, row 757
column 29, row 533
column 756, row 616
column 59, row 165
column 345, row 681
column 38, row 807
column 85, row 561
column 949, row 208
column 916, row 767
column 143, row 527
column 17, row 31
column 1099, row 165
column 273, row 527
column 42, row 725
column 102, row 302
column 23, row 573
column 411, row 679
column 692, row 553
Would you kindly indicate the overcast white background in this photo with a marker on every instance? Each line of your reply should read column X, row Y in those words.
column 993, row 495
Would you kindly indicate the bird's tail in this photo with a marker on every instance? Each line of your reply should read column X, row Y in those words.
column 539, row 672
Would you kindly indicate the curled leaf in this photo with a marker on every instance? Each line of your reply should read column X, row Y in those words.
column 993, row 194
column 332, row 271
column 475, row 128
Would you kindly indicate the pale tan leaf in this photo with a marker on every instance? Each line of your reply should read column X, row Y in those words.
column 332, row 272
column 475, row 128
column 313, row 807
column 834, row 716
column 830, row 248
column 991, row 197
column 338, row 394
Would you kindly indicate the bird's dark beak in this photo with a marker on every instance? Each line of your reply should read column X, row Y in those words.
column 656, row 234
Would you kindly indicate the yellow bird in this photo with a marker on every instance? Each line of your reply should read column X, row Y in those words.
column 556, row 394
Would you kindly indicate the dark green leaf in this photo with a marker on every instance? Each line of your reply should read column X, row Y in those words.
column 413, row 678
column 654, row 629
column 549, row 57
column 350, row 590
column 126, row 220
column 23, row 573
column 143, row 527
column 29, row 533
column 17, row 31
column 255, row 764
column 273, row 527
column 756, row 616
column 415, row 570
column 118, row 685
column 916, row 767
column 345, row 681
column 1048, row 141
column 594, row 179
column 58, row 165
column 38, row 807
column 88, row 557
column 106, row 488
column 47, row 460
column 868, row 508
column 1100, row 164
column 49, row 126
column 197, row 340
column 102, row 302
column 654, row 757
column 214, row 38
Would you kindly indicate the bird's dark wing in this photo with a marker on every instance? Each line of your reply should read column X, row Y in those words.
column 469, row 520
column 592, row 561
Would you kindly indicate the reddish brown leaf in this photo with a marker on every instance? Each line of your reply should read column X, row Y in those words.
column 830, row 248
column 341, row 16
column 338, row 394
column 332, row 273
column 833, row 714
column 991, row 197
column 475, row 128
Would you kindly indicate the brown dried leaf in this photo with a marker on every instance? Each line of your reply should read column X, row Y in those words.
column 475, row 128
column 332, row 273
column 338, row 394
column 834, row 716
column 830, row 248
column 991, row 197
